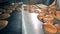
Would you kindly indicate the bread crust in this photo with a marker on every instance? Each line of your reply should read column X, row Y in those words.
column 49, row 28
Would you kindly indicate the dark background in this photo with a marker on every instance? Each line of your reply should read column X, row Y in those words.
column 45, row 2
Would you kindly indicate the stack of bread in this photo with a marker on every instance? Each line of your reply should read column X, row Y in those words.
column 5, row 13
column 47, row 15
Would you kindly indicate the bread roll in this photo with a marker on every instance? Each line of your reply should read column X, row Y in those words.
column 51, row 11
column 57, row 13
column 42, row 12
column 42, row 6
column 3, row 24
column 48, row 19
column 40, row 17
column 49, row 28
column 54, row 6
column 4, row 16
column 58, row 27
column 9, row 11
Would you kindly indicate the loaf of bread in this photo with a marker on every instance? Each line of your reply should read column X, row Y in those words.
column 58, row 27
column 54, row 6
column 57, row 13
column 4, row 16
column 3, row 24
column 51, row 11
column 49, row 28
column 48, row 19
column 40, row 17
column 42, row 6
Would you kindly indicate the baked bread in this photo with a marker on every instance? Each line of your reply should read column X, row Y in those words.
column 51, row 11
column 58, row 13
column 53, row 6
column 42, row 12
column 58, row 27
column 49, row 28
column 40, row 17
column 42, row 6
column 3, row 24
column 48, row 19
column 4, row 16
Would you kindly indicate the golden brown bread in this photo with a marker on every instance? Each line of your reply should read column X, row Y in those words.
column 48, row 19
column 58, row 27
column 42, row 12
column 49, row 28
column 58, row 13
column 53, row 6
column 51, row 11
column 40, row 17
